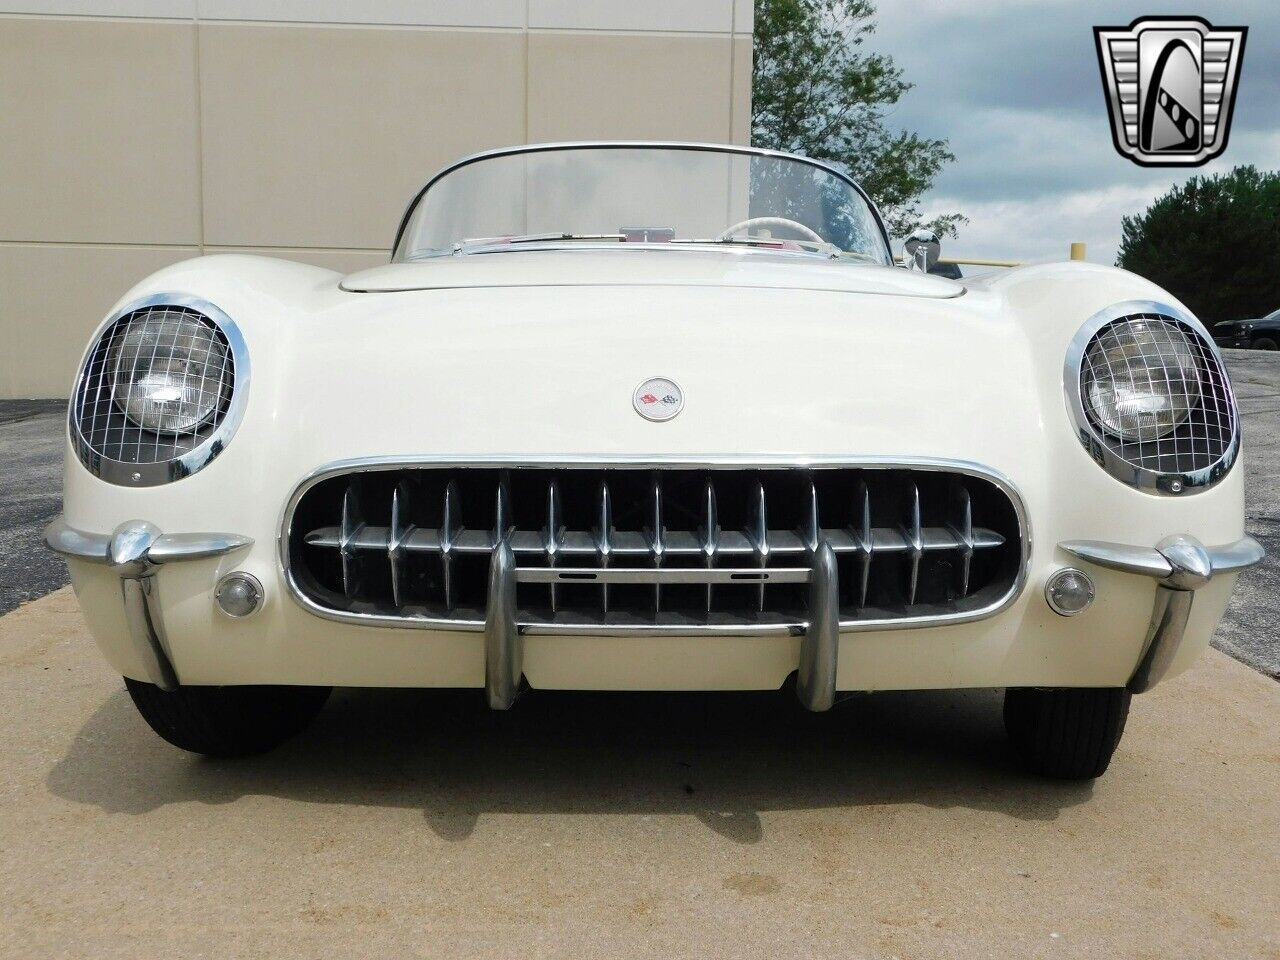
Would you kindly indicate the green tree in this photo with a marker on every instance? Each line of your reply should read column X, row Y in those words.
column 817, row 91
column 1214, row 243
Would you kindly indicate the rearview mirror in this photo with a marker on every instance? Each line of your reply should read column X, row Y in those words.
column 922, row 250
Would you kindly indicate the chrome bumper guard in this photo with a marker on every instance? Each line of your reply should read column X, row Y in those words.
column 134, row 551
column 504, row 647
column 1181, row 565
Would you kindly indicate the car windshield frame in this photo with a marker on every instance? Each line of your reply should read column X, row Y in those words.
column 397, row 253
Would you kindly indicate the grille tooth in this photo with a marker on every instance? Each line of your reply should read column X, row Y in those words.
column 653, row 548
column 551, row 534
column 964, row 533
column 759, row 535
column 915, row 541
column 710, row 532
column 502, row 510
column 401, row 530
column 657, row 545
column 866, row 541
column 352, row 527
column 604, row 537
column 811, row 532
column 450, row 527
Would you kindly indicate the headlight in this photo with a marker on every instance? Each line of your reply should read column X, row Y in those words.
column 1140, row 379
column 169, row 372
column 161, row 391
column 1150, row 398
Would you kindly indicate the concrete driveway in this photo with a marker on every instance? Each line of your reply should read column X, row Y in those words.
column 412, row 824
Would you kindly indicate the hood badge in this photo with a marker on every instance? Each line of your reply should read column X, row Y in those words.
column 658, row 399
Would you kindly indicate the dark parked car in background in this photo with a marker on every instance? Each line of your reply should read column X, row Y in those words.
column 1260, row 334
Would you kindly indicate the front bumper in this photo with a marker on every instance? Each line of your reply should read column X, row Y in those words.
column 1181, row 565
column 825, row 657
column 134, row 552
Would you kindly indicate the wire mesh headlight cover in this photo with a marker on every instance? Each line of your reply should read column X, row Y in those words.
column 160, row 392
column 1151, row 399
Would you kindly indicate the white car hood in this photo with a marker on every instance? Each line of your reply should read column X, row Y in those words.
column 649, row 266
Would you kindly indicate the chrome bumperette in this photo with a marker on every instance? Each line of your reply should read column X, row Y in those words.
column 1180, row 565
column 134, row 551
column 1102, row 449
column 184, row 463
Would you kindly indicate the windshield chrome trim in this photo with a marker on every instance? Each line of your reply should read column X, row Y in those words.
column 638, row 145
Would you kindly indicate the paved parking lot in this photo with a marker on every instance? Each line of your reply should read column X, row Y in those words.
column 410, row 823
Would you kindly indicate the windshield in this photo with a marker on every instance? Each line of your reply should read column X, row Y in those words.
column 612, row 194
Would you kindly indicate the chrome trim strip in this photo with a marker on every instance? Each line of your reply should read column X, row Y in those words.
column 133, row 551
column 668, row 575
column 1149, row 481
column 639, row 145
column 654, row 462
column 154, row 474
column 1181, row 565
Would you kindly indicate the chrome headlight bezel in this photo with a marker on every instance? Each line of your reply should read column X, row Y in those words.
column 130, row 454
column 1170, row 464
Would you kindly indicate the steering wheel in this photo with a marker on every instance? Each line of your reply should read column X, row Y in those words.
column 770, row 222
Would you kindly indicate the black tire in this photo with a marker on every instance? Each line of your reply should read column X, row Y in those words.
column 227, row 721
column 1066, row 733
column 1266, row 343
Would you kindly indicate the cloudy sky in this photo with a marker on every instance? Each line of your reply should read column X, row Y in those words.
column 1014, row 86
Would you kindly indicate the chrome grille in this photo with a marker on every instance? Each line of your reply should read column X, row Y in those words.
column 1200, row 449
column 636, row 547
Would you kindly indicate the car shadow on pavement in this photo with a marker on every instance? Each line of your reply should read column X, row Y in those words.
column 722, row 758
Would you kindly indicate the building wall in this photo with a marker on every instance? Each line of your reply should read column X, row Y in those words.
column 137, row 133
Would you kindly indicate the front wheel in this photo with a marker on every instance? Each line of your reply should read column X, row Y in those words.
column 1067, row 733
column 1265, row 343
column 227, row 721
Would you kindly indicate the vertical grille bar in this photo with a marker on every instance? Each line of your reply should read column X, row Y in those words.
column 759, row 536
column 604, row 537
column 656, row 545
column 915, row 538
column 710, row 532
column 551, row 534
column 811, row 531
column 449, row 529
column 352, row 526
column 400, row 531
column 866, row 541
column 964, row 533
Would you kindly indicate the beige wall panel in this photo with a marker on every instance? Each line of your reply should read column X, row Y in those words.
column 705, row 16
column 434, row 13
column 99, row 139
column 52, row 297
column 344, row 261
column 586, row 86
column 319, row 136
column 741, row 94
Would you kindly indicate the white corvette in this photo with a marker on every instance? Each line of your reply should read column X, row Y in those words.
column 625, row 416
